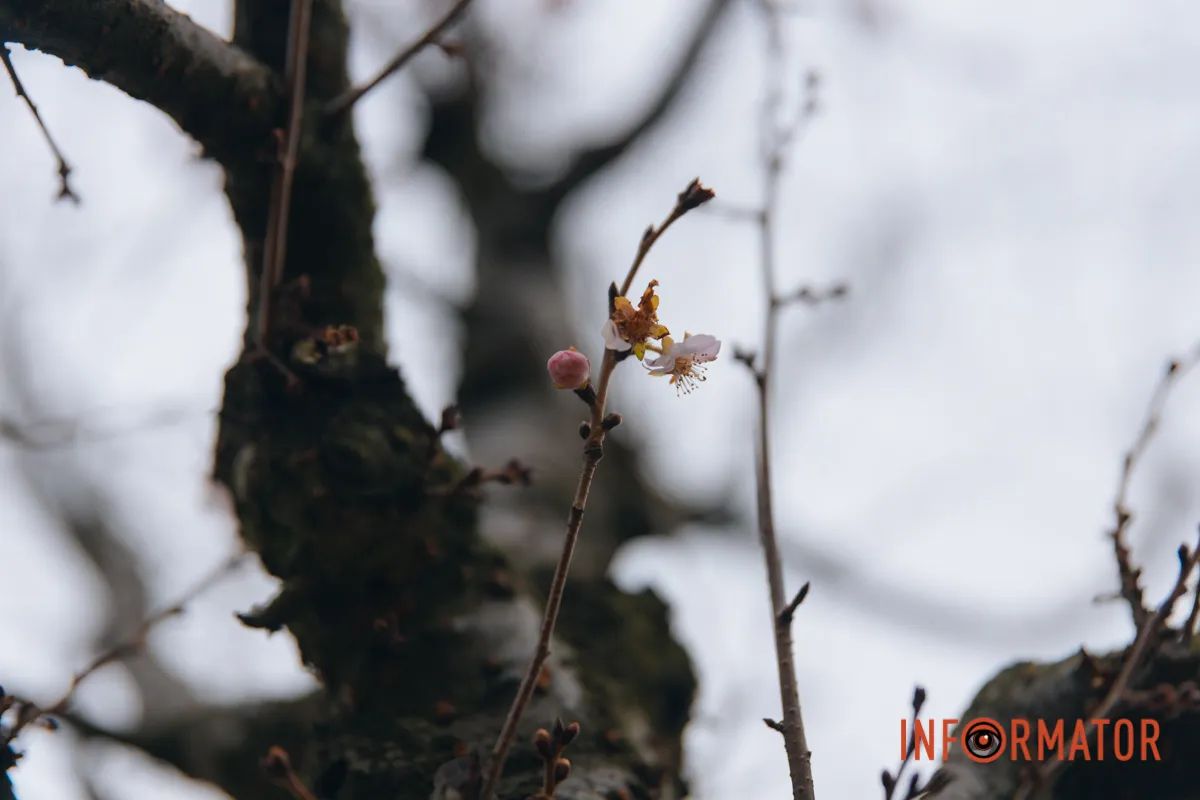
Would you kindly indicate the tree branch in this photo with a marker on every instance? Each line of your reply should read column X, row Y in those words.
column 591, row 161
column 215, row 92
column 789, row 611
column 346, row 100
column 30, row 713
column 1130, row 575
column 65, row 192
column 217, row 743
column 1144, row 646
column 275, row 241
column 593, row 450
column 776, row 138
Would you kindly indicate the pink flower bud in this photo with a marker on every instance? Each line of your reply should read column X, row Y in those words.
column 569, row 369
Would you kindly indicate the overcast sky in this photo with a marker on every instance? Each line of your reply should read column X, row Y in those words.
column 1010, row 189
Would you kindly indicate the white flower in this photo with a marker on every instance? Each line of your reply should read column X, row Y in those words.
column 684, row 361
column 612, row 339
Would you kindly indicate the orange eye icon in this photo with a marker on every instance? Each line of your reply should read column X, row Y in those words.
column 983, row 740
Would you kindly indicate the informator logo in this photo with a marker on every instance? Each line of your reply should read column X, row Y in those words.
column 984, row 740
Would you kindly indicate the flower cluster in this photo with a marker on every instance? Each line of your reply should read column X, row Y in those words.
column 635, row 330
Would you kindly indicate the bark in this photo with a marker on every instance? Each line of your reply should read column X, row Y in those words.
column 417, row 627
column 1068, row 690
column 220, row 96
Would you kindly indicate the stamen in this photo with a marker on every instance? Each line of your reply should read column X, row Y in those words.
column 687, row 375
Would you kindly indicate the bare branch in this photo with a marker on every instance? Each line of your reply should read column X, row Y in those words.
column 48, row 434
column 776, row 138
column 693, row 196
column 789, row 611
column 1130, row 574
column 215, row 743
column 809, row 296
column 1144, row 646
column 1189, row 627
column 591, row 161
column 116, row 564
column 892, row 782
column 275, row 241
column 64, row 169
column 30, row 712
column 278, row 765
column 343, row 102
column 215, row 92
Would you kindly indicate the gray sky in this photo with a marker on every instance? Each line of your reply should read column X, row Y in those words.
column 1010, row 190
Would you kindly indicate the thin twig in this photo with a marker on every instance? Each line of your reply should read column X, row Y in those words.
column 1144, row 645
column 693, row 196
column 789, row 611
column 64, row 169
column 776, row 138
column 809, row 296
column 1189, row 627
column 279, row 209
column 48, row 434
column 1130, row 575
column 593, row 451
column 347, row 99
column 666, row 98
column 890, row 782
column 31, row 712
column 278, row 766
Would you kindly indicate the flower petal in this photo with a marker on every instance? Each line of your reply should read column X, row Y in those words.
column 612, row 339
column 702, row 346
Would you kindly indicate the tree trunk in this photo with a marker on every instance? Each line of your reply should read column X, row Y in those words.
column 417, row 627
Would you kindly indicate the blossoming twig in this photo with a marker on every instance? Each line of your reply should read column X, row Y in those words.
column 570, row 370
